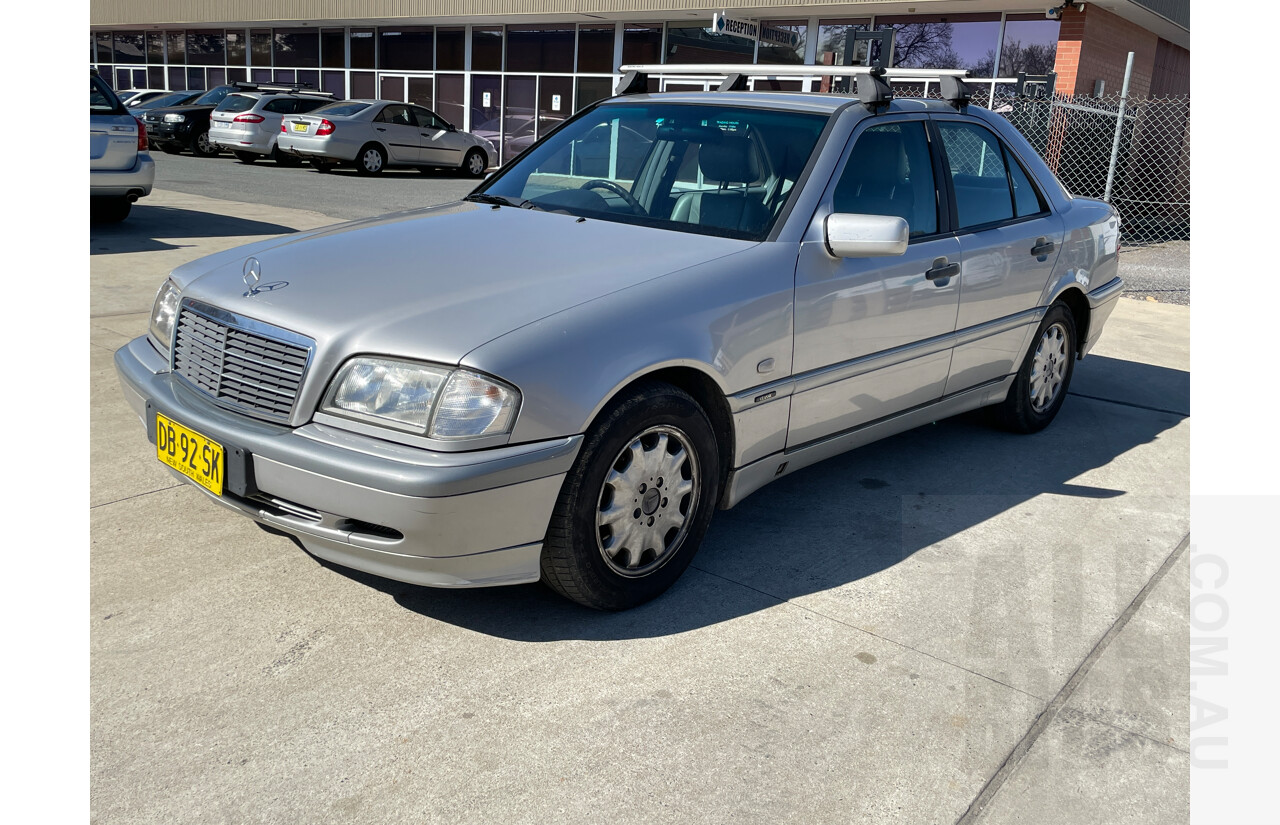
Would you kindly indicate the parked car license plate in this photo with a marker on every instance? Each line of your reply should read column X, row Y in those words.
column 197, row 457
column 299, row 127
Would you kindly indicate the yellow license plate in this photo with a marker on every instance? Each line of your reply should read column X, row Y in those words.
column 190, row 453
column 299, row 127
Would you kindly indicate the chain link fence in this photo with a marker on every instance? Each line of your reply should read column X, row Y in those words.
column 1146, row 174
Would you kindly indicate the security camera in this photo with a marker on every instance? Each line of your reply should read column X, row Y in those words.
column 1053, row 13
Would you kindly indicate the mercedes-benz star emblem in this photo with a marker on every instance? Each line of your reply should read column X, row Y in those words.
column 252, row 277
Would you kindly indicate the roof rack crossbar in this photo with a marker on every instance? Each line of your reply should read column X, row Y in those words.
column 787, row 70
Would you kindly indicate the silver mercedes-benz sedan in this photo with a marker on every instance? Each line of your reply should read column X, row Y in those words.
column 662, row 306
column 375, row 134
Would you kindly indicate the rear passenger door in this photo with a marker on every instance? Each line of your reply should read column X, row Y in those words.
column 396, row 127
column 1009, row 240
column 873, row 335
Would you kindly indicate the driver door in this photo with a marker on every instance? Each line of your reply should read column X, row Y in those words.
column 441, row 146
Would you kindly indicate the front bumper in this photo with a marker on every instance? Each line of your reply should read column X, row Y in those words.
column 468, row 519
column 161, row 132
column 117, row 183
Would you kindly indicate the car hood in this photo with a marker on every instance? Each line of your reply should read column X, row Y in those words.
column 435, row 284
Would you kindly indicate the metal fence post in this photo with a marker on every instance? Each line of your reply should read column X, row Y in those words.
column 1115, row 144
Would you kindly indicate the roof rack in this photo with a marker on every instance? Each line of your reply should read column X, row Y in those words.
column 873, row 87
column 280, row 88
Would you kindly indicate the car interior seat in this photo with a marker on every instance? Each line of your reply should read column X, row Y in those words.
column 730, row 160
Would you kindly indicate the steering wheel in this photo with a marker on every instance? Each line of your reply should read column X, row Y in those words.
column 600, row 183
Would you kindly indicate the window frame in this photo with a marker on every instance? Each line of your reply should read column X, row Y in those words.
column 1008, row 154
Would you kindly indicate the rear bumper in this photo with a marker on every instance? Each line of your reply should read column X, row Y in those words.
column 235, row 140
column 1101, row 302
column 117, row 183
column 318, row 147
column 444, row 520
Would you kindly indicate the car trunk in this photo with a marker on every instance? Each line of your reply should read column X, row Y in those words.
column 113, row 142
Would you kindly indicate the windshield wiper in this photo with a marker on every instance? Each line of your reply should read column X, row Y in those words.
column 503, row 200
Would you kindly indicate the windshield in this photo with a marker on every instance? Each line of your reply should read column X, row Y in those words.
column 713, row 170
column 213, row 96
column 171, row 99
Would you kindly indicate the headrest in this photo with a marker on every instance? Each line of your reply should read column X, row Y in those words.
column 729, row 160
column 881, row 156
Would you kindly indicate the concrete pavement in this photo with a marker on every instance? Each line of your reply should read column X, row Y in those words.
column 955, row 624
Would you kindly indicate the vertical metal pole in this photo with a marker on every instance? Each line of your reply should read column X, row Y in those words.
column 1115, row 143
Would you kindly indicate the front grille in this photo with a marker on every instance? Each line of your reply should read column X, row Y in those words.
column 254, row 370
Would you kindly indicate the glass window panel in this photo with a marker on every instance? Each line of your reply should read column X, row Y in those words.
column 363, row 49
column 519, row 116
column 206, row 48
column 451, row 46
column 102, row 51
column 364, row 85
column 155, row 47
column 333, row 48
column 697, row 43
column 235, row 73
column 285, row 76
column 782, row 41
column 486, row 50
column 546, row 48
column 334, row 82
column 309, row 78
column 957, row 41
column 237, row 48
column 555, row 102
column 178, row 79
column 177, row 47
column 1026, row 199
column 641, row 43
column 122, row 80
column 486, row 107
column 977, row 174
column 296, row 47
column 890, row 173
column 407, row 47
column 595, row 49
column 591, row 89
column 391, row 87
column 129, row 47
column 260, row 47
column 155, row 77
column 261, row 75
column 1030, row 45
column 195, row 79
column 422, row 92
column 217, row 76
column 450, row 96
column 833, row 41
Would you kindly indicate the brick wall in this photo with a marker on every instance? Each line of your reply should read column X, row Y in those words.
column 1093, row 45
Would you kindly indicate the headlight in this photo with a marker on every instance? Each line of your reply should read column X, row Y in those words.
column 163, row 314
column 427, row 400
column 175, row 118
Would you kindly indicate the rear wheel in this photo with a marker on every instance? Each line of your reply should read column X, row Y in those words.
column 637, row 502
column 245, row 157
column 475, row 163
column 371, row 160
column 1041, row 384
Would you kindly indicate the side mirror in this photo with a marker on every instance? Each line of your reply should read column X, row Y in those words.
column 451, row 127
column 865, row 236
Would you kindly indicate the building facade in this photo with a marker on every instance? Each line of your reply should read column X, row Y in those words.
column 512, row 69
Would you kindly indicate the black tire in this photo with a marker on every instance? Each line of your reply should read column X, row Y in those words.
column 171, row 148
column 1046, row 370
column 109, row 210
column 246, row 157
column 474, row 164
column 592, row 563
column 371, row 160
column 200, row 145
column 320, row 166
column 284, row 158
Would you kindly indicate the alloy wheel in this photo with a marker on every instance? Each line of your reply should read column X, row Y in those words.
column 1049, row 367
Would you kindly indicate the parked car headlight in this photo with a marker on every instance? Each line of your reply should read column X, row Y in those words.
column 427, row 400
column 175, row 118
column 163, row 314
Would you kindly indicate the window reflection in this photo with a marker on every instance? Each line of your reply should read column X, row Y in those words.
column 775, row 48
column 1030, row 45
column 697, row 43
column 958, row 41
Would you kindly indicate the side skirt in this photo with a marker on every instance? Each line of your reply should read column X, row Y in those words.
column 746, row 480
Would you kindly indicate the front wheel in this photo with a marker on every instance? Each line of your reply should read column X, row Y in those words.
column 637, row 502
column 475, row 163
column 1041, row 384
column 371, row 160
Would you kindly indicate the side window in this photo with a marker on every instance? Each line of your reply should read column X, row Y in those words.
column 1026, row 200
column 280, row 106
column 395, row 113
column 977, row 172
column 308, row 104
column 889, row 172
column 426, row 119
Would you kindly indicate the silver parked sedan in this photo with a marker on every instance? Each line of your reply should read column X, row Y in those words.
column 247, row 124
column 375, row 134
column 664, row 305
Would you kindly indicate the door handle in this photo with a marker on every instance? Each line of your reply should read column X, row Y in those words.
column 1042, row 248
column 941, row 269
column 380, row 129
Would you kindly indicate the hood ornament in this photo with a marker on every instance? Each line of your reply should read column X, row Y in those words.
column 253, row 277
